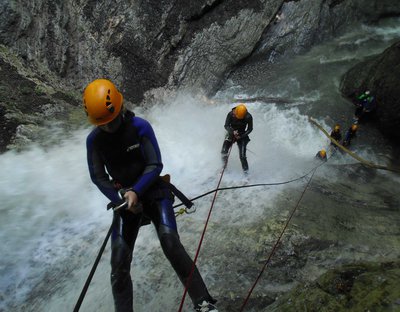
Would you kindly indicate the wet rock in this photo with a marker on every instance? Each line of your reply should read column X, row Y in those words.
column 380, row 75
column 28, row 106
column 148, row 45
column 353, row 287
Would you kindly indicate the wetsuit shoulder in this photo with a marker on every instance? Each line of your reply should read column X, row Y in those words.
column 91, row 136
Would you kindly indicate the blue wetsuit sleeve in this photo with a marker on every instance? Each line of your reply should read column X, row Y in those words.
column 98, row 172
column 152, row 156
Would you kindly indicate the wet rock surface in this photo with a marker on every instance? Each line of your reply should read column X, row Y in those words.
column 29, row 107
column 354, row 287
column 381, row 76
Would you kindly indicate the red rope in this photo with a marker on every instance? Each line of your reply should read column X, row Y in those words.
column 276, row 245
column 188, row 282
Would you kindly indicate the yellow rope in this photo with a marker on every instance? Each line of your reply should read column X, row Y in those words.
column 363, row 161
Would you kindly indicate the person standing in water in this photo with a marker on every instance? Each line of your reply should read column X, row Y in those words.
column 238, row 126
column 124, row 158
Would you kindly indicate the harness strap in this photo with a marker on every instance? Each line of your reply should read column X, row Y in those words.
column 165, row 181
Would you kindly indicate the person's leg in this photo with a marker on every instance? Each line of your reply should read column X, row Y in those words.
column 358, row 112
column 225, row 149
column 125, row 231
column 163, row 217
column 242, row 154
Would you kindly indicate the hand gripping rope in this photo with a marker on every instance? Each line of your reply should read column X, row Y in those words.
column 181, row 211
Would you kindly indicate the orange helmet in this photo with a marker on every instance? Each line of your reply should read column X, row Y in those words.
column 240, row 111
column 322, row 153
column 102, row 101
column 354, row 127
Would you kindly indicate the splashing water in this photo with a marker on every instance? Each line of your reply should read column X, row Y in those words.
column 53, row 220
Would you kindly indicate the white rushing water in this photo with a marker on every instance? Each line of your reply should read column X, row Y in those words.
column 49, row 205
column 53, row 220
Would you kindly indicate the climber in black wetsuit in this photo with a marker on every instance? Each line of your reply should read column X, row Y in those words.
column 123, row 154
column 238, row 126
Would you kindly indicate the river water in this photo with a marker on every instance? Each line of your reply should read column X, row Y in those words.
column 53, row 220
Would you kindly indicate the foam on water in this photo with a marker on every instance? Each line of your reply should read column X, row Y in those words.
column 49, row 202
column 53, row 219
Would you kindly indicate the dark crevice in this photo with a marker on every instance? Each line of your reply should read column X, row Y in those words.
column 388, row 15
column 207, row 8
column 335, row 3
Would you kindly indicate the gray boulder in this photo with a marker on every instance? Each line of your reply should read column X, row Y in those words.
column 380, row 75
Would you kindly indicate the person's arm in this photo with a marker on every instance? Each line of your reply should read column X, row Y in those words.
column 227, row 125
column 249, row 120
column 97, row 170
column 151, row 154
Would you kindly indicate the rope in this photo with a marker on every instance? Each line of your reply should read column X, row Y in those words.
column 188, row 282
column 277, row 242
column 363, row 161
column 96, row 262
column 182, row 210
column 177, row 213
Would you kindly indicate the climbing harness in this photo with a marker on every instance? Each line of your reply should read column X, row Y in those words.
column 189, row 203
column 177, row 213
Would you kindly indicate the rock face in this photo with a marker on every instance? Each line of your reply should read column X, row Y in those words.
column 141, row 45
column 355, row 287
column 298, row 25
column 380, row 75
column 144, row 45
column 26, row 105
column 149, row 46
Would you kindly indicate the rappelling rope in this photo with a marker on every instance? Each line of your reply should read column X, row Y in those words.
column 189, row 280
column 183, row 210
column 361, row 160
column 93, row 270
column 278, row 240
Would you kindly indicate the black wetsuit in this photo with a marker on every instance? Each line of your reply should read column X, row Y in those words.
column 337, row 135
column 132, row 158
column 244, row 127
column 350, row 134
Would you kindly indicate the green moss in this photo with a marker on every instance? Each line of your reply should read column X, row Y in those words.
column 356, row 287
column 39, row 90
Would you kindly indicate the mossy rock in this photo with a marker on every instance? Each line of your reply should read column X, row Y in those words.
column 355, row 287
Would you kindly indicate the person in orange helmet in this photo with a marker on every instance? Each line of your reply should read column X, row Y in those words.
column 350, row 134
column 238, row 126
column 336, row 134
column 124, row 162
column 321, row 155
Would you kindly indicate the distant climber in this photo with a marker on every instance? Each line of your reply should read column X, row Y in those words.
column 238, row 126
column 350, row 134
column 365, row 105
column 336, row 134
column 321, row 155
